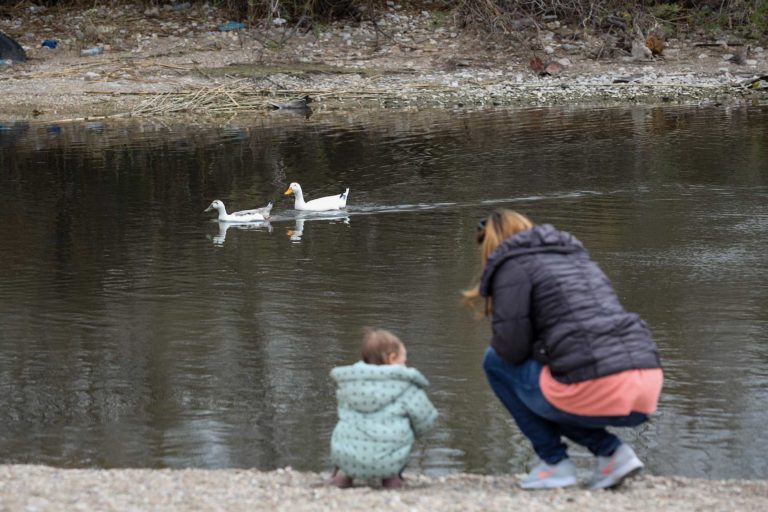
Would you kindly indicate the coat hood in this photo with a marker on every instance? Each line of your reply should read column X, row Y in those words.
column 371, row 387
column 540, row 238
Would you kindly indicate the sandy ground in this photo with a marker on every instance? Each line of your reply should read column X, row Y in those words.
column 39, row 488
column 162, row 61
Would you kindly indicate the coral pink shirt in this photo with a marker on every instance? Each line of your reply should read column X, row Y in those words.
column 613, row 395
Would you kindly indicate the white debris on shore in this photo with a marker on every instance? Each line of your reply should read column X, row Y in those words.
column 42, row 488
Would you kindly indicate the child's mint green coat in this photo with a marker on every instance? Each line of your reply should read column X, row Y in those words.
column 382, row 408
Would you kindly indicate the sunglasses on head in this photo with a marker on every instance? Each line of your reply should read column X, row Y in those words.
column 481, row 230
column 496, row 215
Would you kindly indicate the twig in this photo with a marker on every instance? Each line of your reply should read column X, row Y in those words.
column 718, row 44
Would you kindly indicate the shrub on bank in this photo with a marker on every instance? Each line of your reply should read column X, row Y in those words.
column 748, row 18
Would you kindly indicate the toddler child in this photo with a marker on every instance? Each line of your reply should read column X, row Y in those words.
column 382, row 408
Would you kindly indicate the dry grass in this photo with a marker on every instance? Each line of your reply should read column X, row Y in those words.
column 236, row 97
column 493, row 16
column 506, row 20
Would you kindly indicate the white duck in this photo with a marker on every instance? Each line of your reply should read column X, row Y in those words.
column 317, row 205
column 241, row 216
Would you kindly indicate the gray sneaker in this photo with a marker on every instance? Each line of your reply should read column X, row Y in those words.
column 550, row 476
column 611, row 471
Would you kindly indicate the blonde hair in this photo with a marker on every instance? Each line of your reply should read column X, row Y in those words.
column 497, row 227
column 378, row 345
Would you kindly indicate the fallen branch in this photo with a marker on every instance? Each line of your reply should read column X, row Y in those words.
column 226, row 98
column 722, row 44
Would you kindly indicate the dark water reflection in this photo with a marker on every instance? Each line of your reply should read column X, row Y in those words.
column 137, row 331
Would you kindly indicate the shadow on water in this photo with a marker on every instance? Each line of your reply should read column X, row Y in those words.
column 136, row 331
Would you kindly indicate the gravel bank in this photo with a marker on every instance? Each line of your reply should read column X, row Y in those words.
column 41, row 488
column 414, row 60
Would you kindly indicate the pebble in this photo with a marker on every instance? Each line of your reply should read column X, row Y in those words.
column 42, row 489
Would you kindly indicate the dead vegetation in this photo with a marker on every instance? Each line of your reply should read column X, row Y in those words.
column 611, row 27
column 238, row 97
column 490, row 18
column 159, row 59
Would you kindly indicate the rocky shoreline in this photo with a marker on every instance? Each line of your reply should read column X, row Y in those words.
column 41, row 488
column 159, row 62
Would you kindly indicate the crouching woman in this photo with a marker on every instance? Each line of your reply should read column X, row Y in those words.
column 565, row 358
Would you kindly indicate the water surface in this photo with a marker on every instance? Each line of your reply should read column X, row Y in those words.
column 135, row 331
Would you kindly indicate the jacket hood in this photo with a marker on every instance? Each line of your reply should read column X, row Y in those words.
column 538, row 239
column 370, row 387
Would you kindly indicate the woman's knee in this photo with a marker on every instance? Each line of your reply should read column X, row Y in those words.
column 491, row 360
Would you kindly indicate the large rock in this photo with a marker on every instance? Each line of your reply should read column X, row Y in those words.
column 11, row 50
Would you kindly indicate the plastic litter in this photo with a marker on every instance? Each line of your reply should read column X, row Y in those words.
column 231, row 25
column 92, row 51
column 50, row 43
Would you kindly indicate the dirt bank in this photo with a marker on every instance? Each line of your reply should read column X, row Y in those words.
column 160, row 61
column 40, row 489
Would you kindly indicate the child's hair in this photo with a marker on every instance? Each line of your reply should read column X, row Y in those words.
column 378, row 344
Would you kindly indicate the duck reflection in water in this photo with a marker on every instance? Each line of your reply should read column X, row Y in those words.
column 221, row 237
column 296, row 233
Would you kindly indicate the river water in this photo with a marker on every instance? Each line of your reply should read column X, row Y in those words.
column 136, row 331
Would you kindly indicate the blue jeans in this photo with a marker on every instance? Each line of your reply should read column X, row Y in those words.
column 517, row 386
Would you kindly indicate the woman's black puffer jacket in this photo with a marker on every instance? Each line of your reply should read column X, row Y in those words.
column 552, row 302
